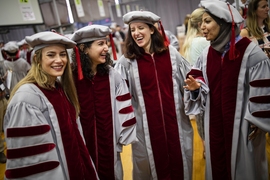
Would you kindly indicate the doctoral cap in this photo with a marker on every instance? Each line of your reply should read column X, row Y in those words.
column 141, row 16
column 229, row 14
column 221, row 10
column 91, row 33
column 48, row 38
column 11, row 47
column 145, row 17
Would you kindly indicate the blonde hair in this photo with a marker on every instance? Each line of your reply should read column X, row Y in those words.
column 37, row 75
column 193, row 29
column 252, row 23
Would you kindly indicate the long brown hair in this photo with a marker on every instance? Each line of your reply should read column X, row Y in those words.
column 133, row 51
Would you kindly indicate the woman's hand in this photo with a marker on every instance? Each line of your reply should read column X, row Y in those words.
column 192, row 84
column 254, row 132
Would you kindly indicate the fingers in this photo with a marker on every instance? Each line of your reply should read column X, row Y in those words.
column 191, row 78
column 254, row 133
column 251, row 135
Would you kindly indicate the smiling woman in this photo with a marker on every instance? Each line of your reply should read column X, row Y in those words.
column 106, row 115
column 41, row 123
column 155, row 74
column 54, row 60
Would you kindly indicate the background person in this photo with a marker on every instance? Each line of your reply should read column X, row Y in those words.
column 258, row 24
column 16, row 66
column 193, row 47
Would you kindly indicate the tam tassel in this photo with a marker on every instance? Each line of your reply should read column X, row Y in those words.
column 78, row 60
column 113, row 47
column 166, row 41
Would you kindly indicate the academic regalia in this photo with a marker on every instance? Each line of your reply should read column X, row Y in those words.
column 164, row 149
column 16, row 66
column 106, row 114
column 42, row 131
column 43, row 139
column 106, row 121
column 232, row 97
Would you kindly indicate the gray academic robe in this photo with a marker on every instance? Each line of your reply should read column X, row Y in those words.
column 31, row 110
column 143, row 159
column 248, row 157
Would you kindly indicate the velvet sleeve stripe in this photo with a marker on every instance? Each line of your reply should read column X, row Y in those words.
column 124, row 97
column 196, row 74
column 129, row 122
column 261, row 99
column 260, row 83
column 126, row 110
column 29, row 151
column 30, row 170
column 27, row 131
column 262, row 114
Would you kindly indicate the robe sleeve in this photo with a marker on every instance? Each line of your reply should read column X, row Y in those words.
column 195, row 103
column 126, row 123
column 258, row 106
column 122, row 67
column 31, row 151
column 182, row 65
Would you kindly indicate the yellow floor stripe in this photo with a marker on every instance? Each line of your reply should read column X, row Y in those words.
column 198, row 160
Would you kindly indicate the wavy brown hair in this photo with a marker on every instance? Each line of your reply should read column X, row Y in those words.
column 133, row 51
column 86, row 62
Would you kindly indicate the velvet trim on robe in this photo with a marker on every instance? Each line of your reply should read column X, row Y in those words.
column 156, row 82
column 97, row 122
column 222, row 75
column 78, row 159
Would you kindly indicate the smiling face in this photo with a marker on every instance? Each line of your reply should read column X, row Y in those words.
column 141, row 34
column 97, row 51
column 262, row 10
column 209, row 27
column 54, row 60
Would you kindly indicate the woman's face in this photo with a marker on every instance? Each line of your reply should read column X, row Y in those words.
column 210, row 28
column 141, row 33
column 262, row 10
column 97, row 51
column 54, row 60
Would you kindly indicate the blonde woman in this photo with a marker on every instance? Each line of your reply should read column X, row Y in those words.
column 193, row 46
column 42, row 132
column 194, row 42
column 258, row 24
